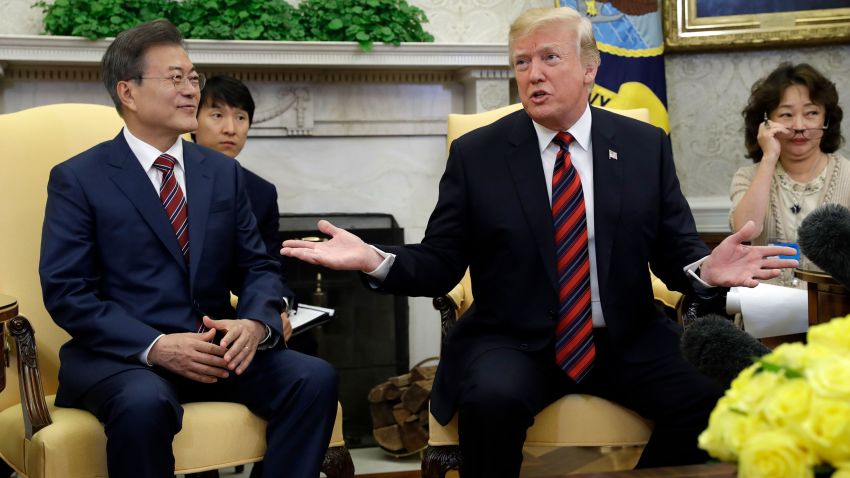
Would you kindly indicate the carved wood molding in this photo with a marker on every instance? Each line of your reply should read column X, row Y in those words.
column 319, row 59
column 35, row 412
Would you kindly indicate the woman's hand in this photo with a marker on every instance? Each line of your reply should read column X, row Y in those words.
column 770, row 146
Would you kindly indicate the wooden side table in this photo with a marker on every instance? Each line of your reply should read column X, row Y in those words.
column 719, row 470
column 8, row 311
column 827, row 298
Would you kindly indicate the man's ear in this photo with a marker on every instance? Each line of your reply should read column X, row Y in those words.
column 590, row 70
column 126, row 95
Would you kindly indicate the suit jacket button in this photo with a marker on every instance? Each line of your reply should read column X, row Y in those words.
column 552, row 314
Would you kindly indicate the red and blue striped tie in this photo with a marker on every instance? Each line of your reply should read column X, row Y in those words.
column 174, row 202
column 574, row 349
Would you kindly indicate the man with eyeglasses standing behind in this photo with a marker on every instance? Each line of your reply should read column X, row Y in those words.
column 145, row 236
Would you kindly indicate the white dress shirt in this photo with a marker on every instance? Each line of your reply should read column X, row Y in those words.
column 147, row 154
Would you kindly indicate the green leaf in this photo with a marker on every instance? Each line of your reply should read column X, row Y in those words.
column 776, row 368
column 335, row 24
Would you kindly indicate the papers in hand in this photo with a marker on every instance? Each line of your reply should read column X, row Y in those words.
column 306, row 316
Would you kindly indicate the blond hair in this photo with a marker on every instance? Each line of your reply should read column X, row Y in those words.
column 535, row 18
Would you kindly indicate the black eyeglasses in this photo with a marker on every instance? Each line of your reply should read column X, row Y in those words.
column 808, row 133
column 197, row 80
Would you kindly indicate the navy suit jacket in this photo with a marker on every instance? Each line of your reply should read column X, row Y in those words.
column 493, row 215
column 111, row 271
column 263, row 196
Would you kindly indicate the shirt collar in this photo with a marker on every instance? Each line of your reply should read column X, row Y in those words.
column 580, row 131
column 147, row 154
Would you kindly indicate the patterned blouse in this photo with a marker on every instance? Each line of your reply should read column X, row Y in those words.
column 791, row 201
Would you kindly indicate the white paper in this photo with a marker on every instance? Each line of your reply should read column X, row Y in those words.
column 305, row 314
column 769, row 310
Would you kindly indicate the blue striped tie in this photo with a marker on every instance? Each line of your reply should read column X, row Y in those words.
column 574, row 349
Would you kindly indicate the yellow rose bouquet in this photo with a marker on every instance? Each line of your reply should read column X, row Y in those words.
column 788, row 414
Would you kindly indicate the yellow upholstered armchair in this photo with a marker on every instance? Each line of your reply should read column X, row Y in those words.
column 574, row 420
column 38, row 439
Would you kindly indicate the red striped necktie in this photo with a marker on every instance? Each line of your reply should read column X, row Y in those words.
column 574, row 349
column 174, row 202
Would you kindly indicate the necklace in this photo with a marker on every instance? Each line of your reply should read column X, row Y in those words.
column 798, row 198
column 799, row 188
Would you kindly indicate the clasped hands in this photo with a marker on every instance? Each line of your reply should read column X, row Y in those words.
column 196, row 357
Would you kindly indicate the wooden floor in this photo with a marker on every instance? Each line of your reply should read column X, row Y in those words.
column 394, row 474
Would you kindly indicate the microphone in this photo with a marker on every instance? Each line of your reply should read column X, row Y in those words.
column 824, row 237
column 719, row 349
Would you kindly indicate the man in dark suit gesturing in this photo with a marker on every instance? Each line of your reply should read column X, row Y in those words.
column 145, row 237
column 557, row 209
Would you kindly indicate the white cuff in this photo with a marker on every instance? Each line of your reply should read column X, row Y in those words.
column 143, row 356
column 268, row 333
column 380, row 273
column 691, row 270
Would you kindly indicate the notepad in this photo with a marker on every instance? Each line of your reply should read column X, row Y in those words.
column 307, row 316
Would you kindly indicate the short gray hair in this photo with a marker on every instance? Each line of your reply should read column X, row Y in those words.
column 535, row 18
column 124, row 58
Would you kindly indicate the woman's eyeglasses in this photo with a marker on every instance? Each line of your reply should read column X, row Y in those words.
column 808, row 133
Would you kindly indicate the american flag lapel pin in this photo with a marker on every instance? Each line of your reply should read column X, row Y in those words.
column 612, row 154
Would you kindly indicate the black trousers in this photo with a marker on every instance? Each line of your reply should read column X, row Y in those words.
column 505, row 388
column 141, row 413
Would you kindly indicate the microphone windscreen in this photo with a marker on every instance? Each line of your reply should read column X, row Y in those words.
column 719, row 349
column 824, row 238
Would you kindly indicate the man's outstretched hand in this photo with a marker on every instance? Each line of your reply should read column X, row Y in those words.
column 733, row 263
column 344, row 250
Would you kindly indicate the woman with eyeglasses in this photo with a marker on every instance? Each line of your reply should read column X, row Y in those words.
column 792, row 130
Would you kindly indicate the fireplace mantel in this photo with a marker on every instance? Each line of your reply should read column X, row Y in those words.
column 481, row 69
column 70, row 51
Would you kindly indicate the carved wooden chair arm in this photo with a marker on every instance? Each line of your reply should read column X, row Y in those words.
column 33, row 404
column 448, row 313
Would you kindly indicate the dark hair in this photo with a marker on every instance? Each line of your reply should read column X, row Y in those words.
column 767, row 92
column 229, row 91
column 124, row 59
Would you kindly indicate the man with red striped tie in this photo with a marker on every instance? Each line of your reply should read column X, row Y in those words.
column 145, row 237
column 557, row 209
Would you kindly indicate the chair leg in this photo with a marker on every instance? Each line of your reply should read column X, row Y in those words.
column 203, row 474
column 337, row 463
column 5, row 470
column 438, row 460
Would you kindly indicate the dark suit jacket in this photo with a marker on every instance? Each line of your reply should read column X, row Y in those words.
column 263, row 196
column 111, row 272
column 493, row 214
